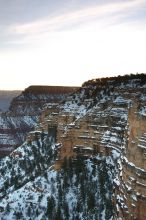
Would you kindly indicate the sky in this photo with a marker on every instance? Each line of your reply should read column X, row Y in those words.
column 67, row 42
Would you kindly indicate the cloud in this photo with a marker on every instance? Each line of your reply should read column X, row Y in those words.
column 57, row 56
column 87, row 14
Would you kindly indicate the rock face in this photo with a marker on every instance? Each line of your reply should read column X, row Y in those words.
column 85, row 159
column 23, row 114
column 108, row 117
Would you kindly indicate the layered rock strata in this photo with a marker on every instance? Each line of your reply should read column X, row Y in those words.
column 107, row 117
column 23, row 114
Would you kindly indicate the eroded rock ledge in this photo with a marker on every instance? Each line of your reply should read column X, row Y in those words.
column 23, row 114
column 106, row 117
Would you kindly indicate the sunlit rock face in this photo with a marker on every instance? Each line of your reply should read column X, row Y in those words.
column 107, row 117
column 23, row 113
column 85, row 159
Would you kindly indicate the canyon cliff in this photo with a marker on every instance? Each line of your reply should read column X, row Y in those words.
column 85, row 159
column 6, row 97
column 23, row 114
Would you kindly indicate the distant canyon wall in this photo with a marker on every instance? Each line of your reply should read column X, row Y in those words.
column 106, row 117
column 6, row 97
column 23, row 113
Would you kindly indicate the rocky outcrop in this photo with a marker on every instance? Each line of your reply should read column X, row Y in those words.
column 107, row 117
column 98, row 171
column 23, row 113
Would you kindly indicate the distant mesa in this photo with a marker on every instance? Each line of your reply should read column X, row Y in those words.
column 22, row 115
column 37, row 89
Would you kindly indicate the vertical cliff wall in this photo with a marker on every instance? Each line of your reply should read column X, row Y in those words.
column 107, row 117
column 23, row 113
column 96, row 142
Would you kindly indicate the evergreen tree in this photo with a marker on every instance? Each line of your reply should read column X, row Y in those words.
column 50, row 207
